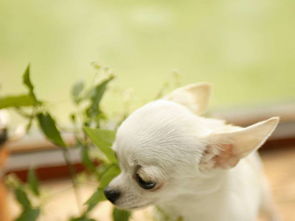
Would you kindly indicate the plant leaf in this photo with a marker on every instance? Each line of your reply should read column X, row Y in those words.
column 27, row 81
column 22, row 198
column 96, row 95
column 103, row 139
column 120, row 215
column 76, row 91
column 95, row 198
column 33, row 182
column 30, row 214
column 108, row 175
column 82, row 218
column 22, row 100
column 49, row 129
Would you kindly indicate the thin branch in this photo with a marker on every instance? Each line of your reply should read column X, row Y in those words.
column 72, row 175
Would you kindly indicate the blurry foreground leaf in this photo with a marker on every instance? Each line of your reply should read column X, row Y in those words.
column 48, row 126
column 76, row 91
column 96, row 95
column 120, row 215
column 30, row 214
column 103, row 139
column 28, row 83
column 108, row 175
column 83, row 218
column 96, row 65
column 33, row 182
column 12, row 181
column 22, row 198
column 22, row 100
column 96, row 197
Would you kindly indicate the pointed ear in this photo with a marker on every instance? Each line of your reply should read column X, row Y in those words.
column 193, row 96
column 225, row 149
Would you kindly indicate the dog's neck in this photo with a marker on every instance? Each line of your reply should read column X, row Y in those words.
column 199, row 193
column 212, row 198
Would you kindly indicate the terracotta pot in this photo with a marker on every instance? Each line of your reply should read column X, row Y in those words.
column 3, row 191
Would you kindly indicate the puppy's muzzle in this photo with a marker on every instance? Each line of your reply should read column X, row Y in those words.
column 112, row 195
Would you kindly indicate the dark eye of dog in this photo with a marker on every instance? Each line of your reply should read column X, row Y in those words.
column 148, row 185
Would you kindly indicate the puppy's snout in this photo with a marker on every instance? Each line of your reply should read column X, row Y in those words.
column 112, row 195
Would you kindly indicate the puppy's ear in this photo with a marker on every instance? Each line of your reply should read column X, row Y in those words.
column 225, row 149
column 193, row 96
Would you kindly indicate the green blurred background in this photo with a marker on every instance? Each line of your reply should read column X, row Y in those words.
column 245, row 48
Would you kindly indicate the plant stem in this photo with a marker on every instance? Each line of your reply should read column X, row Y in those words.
column 72, row 172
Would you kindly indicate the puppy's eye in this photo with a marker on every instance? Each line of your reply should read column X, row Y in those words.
column 148, row 185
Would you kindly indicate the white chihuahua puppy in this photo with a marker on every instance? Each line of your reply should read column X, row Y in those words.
column 192, row 168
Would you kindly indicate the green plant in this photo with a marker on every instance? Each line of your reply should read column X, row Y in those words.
column 91, row 138
column 89, row 123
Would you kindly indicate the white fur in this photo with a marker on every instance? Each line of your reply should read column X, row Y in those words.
column 204, row 169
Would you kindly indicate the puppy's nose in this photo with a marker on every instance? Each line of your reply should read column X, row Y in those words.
column 112, row 195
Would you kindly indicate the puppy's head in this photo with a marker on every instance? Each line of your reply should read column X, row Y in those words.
column 166, row 150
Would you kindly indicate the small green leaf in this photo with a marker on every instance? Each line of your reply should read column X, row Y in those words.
column 82, row 218
column 101, row 169
column 27, row 81
column 49, row 129
column 33, row 182
column 96, row 95
column 12, row 181
column 121, row 215
column 22, row 100
column 76, row 91
column 96, row 197
column 22, row 198
column 95, row 65
column 103, row 139
column 108, row 175
column 30, row 214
